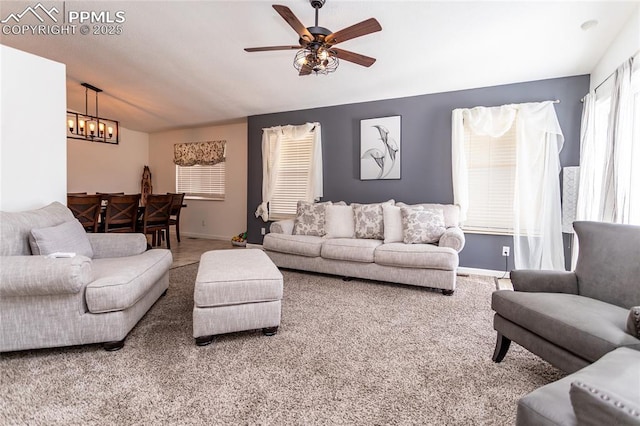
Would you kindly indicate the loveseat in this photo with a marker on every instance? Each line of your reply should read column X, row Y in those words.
column 96, row 296
column 398, row 243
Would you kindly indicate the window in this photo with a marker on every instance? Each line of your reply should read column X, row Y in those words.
column 491, row 165
column 203, row 182
column 292, row 183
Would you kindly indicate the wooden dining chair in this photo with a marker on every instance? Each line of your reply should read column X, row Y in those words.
column 155, row 219
column 176, row 207
column 86, row 208
column 121, row 213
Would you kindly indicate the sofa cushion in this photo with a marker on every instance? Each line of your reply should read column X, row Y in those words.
column 302, row 245
column 350, row 249
column 422, row 226
column 67, row 237
column 578, row 324
column 120, row 282
column 633, row 321
column 594, row 407
column 369, row 222
column 16, row 226
column 417, row 256
column 310, row 218
column 339, row 221
column 392, row 224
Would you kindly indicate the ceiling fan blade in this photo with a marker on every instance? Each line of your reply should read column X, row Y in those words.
column 356, row 58
column 305, row 70
column 292, row 20
column 368, row 26
column 266, row 49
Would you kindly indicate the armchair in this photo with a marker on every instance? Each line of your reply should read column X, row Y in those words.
column 571, row 319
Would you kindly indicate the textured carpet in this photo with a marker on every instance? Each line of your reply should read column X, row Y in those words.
column 347, row 353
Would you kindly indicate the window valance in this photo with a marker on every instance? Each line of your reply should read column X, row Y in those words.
column 199, row 153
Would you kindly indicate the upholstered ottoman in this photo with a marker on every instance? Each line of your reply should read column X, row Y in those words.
column 236, row 290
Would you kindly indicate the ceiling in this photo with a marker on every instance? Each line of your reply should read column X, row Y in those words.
column 182, row 64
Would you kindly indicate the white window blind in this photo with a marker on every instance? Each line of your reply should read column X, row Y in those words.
column 491, row 167
column 292, row 183
column 197, row 181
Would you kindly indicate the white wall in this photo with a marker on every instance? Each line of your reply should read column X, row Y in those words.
column 625, row 45
column 33, row 163
column 101, row 167
column 222, row 219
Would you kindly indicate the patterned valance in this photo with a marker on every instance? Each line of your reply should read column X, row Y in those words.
column 199, row 153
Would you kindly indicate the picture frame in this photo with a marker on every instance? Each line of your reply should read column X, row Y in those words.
column 380, row 148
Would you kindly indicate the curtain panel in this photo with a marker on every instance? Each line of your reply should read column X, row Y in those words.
column 199, row 153
column 537, row 234
column 271, row 141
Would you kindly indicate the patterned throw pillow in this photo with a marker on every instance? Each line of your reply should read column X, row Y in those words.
column 633, row 321
column 369, row 220
column 310, row 218
column 421, row 225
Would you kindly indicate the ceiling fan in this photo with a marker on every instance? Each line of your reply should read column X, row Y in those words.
column 316, row 50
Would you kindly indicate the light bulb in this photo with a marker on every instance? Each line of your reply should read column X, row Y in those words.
column 71, row 125
column 81, row 125
column 110, row 131
column 322, row 54
column 302, row 60
column 92, row 128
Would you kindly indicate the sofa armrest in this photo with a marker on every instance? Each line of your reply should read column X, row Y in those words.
column 544, row 281
column 117, row 245
column 453, row 237
column 282, row 227
column 41, row 276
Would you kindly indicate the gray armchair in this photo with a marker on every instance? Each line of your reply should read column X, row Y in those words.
column 572, row 319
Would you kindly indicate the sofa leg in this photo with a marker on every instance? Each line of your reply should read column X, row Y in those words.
column 270, row 331
column 113, row 346
column 347, row 279
column 502, row 346
column 204, row 340
column 447, row 292
column 164, row 293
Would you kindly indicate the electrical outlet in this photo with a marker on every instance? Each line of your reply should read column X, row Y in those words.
column 505, row 251
column 263, row 231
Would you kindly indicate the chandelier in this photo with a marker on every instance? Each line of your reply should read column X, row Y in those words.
column 317, row 60
column 92, row 127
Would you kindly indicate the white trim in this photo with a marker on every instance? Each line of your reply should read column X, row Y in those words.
column 254, row 246
column 206, row 236
column 484, row 272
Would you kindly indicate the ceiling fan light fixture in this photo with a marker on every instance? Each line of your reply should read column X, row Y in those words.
column 320, row 61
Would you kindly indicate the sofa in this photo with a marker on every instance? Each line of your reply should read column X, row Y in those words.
column 48, row 299
column 571, row 319
column 606, row 392
column 394, row 242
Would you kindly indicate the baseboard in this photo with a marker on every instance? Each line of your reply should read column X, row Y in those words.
column 462, row 270
column 205, row 236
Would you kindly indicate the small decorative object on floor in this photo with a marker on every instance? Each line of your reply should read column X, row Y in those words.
column 240, row 240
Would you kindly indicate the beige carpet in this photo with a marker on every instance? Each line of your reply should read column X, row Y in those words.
column 347, row 353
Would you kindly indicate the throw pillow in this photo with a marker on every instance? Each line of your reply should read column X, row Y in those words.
column 594, row 406
column 339, row 221
column 66, row 237
column 421, row 225
column 310, row 218
column 392, row 224
column 633, row 321
column 369, row 221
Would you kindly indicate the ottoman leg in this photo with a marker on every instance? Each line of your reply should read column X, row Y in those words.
column 270, row 331
column 204, row 340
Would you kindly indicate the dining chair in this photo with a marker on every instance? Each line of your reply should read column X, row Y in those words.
column 121, row 213
column 155, row 219
column 176, row 207
column 86, row 208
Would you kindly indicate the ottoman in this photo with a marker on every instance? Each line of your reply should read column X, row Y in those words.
column 236, row 290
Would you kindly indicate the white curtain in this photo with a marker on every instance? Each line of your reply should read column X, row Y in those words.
column 271, row 142
column 609, row 147
column 536, row 209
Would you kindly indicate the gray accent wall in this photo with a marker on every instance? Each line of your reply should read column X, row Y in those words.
column 425, row 150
